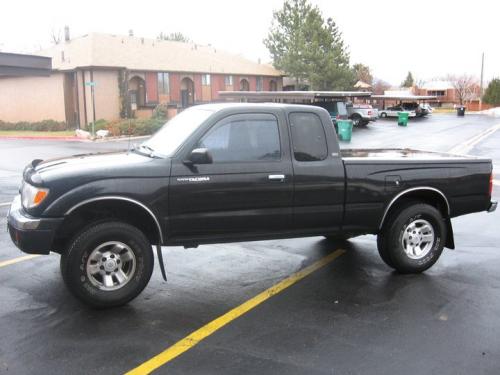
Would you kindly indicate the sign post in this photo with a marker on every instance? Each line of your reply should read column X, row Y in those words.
column 92, row 93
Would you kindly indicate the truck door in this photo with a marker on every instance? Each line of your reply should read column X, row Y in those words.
column 318, row 173
column 246, row 190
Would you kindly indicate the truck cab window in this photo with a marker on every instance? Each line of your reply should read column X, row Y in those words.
column 308, row 137
column 244, row 138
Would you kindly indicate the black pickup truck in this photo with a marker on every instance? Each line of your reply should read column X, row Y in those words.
column 237, row 172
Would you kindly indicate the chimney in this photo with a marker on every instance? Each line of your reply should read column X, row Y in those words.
column 66, row 33
column 131, row 32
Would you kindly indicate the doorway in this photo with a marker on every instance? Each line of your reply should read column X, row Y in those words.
column 187, row 92
column 244, row 85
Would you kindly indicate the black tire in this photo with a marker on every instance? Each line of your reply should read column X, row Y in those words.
column 390, row 240
column 383, row 115
column 356, row 119
column 75, row 262
column 363, row 123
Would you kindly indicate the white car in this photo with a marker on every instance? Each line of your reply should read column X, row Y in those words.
column 393, row 112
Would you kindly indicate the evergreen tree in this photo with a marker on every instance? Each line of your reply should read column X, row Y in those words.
column 409, row 81
column 492, row 93
column 308, row 48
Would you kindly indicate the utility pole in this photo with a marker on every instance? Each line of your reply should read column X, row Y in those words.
column 481, row 84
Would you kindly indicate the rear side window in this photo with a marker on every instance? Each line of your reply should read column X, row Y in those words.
column 240, row 138
column 308, row 137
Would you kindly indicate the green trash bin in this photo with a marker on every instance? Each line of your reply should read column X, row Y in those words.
column 403, row 118
column 345, row 130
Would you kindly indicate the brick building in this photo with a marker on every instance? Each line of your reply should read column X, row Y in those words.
column 129, row 76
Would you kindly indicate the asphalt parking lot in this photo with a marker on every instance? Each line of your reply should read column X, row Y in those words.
column 353, row 315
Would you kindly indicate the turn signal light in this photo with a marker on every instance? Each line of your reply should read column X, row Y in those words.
column 491, row 184
column 39, row 197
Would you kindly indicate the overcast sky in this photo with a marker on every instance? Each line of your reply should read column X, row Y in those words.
column 431, row 38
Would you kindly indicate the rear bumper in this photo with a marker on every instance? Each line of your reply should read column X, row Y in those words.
column 493, row 206
column 31, row 235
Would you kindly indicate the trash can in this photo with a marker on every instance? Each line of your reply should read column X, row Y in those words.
column 403, row 118
column 345, row 130
column 461, row 111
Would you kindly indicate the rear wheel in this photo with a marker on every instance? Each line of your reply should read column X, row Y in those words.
column 356, row 119
column 107, row 264
column 383, row 115
column 412, row 239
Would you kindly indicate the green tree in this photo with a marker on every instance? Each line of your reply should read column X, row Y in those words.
column 363, row 73
column 409, row 81
column 492, row 93
column 308, row 48
column 176, row 37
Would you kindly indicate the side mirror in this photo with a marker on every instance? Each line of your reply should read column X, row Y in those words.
column 200, row 156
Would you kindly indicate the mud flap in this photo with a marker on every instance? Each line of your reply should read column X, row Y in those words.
column 160, row 260
column 450, row 241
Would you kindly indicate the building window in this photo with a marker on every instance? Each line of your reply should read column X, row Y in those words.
column 436, row 92
column 205, row 79
column 228, row 80
column 163, row 83
column 259, row 83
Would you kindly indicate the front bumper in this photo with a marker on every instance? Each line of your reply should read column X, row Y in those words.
column 493, row 206
column 30, row 234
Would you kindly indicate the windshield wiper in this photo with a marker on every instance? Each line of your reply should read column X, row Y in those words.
column 149, row 151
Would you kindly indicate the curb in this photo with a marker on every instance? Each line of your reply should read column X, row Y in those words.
column 72, row 139
column 52, row 138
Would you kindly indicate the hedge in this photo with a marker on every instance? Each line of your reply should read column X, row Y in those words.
column 131, row 126
column 44, row 126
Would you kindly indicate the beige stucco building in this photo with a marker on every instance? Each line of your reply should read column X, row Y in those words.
column 129, row 76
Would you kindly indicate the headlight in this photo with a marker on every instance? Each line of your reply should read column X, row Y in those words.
column 32, row 196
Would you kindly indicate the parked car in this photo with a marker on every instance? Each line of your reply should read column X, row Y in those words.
column 420, row 110
column 361, row 114
column 336, row 109
column 238, row 172
column 427, row 107
column 393, row 111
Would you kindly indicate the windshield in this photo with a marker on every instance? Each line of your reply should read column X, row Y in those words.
column 171, row 136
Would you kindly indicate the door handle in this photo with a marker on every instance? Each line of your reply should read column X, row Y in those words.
column 277, row 177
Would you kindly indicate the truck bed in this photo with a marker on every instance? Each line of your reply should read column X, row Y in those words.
column 375, row 176
column 404, row 154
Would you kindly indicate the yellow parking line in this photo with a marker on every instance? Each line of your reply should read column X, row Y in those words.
column 17, row 260
column 194, row 338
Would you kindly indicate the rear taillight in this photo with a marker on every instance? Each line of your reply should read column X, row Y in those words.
column 369, row 113
column 491, row 184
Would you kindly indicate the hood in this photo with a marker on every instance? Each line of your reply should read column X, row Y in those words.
column 80, row 169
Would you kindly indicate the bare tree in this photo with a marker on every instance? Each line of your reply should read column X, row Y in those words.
column 176, row 37
column 56, row 36
column 464, row 86
column 379, row 86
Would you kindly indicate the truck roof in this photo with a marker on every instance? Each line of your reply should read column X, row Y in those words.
column 221, row 106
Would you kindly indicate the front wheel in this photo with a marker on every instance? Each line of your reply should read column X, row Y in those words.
column 107, row 264
column 412, row 239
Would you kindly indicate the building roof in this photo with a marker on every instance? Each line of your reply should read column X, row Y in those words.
column 437, row 85
column 135, row 53
column 404, row 97
column 15, row 64
column 291, row 95
column 362, row 85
